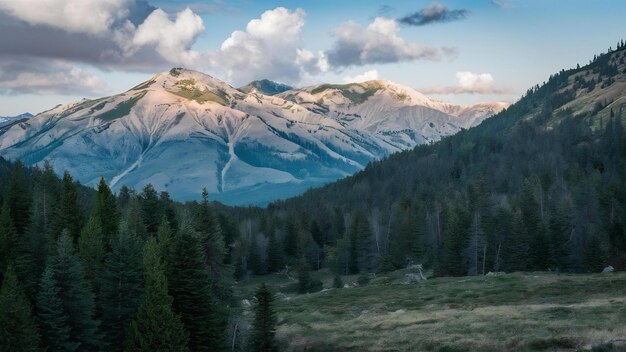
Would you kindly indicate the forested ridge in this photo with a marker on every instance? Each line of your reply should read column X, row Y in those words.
column 540, row 186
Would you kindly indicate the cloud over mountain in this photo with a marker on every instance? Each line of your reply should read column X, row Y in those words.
column 469, row 83
column 378, row 43
column 133, row 35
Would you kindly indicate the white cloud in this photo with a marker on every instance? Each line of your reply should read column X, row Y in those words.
column 55, row 77
column 378, row 43
column 268, row 48
column 475, row 81
column 77, row 16
column 363, row 77
column 172, row 39
column 469, row 83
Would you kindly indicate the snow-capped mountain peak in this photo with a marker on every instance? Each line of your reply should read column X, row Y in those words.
column 183, row 130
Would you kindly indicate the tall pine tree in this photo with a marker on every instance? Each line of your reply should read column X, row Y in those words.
column 67, row 214
column 19, row 199
column 75, row 295
column 156, row 327
column 263, row 336
column 121, row 282
column 105, row 211
column 18, row 331
column 8, row 238
column 214, row 249
column 53, row 320
column 189, row 286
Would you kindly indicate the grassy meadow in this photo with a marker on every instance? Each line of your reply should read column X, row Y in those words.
column 504, row 312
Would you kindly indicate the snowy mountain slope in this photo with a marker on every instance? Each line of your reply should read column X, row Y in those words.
column 399, row 115
column 183, row 130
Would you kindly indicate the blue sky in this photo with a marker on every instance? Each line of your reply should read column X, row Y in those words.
column 55, row 51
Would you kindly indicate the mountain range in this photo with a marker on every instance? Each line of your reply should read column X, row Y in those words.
column 8, row 120
column 183, row 130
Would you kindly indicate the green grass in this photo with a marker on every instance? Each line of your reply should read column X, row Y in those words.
column 188, row 90
column 348, row 92
column 515, row 312
column 122, row 109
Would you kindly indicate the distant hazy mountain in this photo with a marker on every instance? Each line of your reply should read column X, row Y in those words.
column 6, row 120
column 266, row 87
column 183, row 130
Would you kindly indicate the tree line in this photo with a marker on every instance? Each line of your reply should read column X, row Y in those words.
column 85, row 270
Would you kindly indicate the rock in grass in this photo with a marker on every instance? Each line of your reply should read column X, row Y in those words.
column 608, row 269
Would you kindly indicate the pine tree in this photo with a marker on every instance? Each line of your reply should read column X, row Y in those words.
column 214, row 249
column 456, row 224
column 105, row 211
column 134, row 219
column 124, row 197
column 18, row 331
column 530, row 208
column 121, row 283
column 275, row 261
column 540, row 249
column 19, row 199
column 155, row 327
column 8, row 238
column 91, row 249
column 75, row 295
column 254, row 257
column 337, row 282
column 516, row 246
column 189, row 286
column 593, row 257
column 165, row 236
column 169, row 212
column 53, row 320
column 291, row 239
column 34, row 246
column 263, row 336
column 67, row 214
column 304, row 277
column 151, row 209
column 474, row 252
column 558, row 230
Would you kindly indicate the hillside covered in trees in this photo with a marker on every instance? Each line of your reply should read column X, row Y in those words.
column 86, row 270
column 540, row 186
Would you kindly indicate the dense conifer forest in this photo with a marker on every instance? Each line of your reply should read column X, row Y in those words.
column 533, row 188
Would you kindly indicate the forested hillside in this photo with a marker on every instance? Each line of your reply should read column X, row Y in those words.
column 86, row 270
column 540, row 186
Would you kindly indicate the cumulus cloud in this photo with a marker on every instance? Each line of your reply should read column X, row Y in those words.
column 131, row 35
column 172, row 39
column 108, row 33
column 378, row 43
column 434, row 13
column 469, row 83
column 24, row 76
column 363, row 77
column 92, row 17
column 268, row 47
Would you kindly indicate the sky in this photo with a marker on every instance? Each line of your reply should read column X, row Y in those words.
column 57, row 51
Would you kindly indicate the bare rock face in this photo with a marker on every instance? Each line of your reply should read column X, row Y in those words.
column 414, row 273
column 608, row 269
